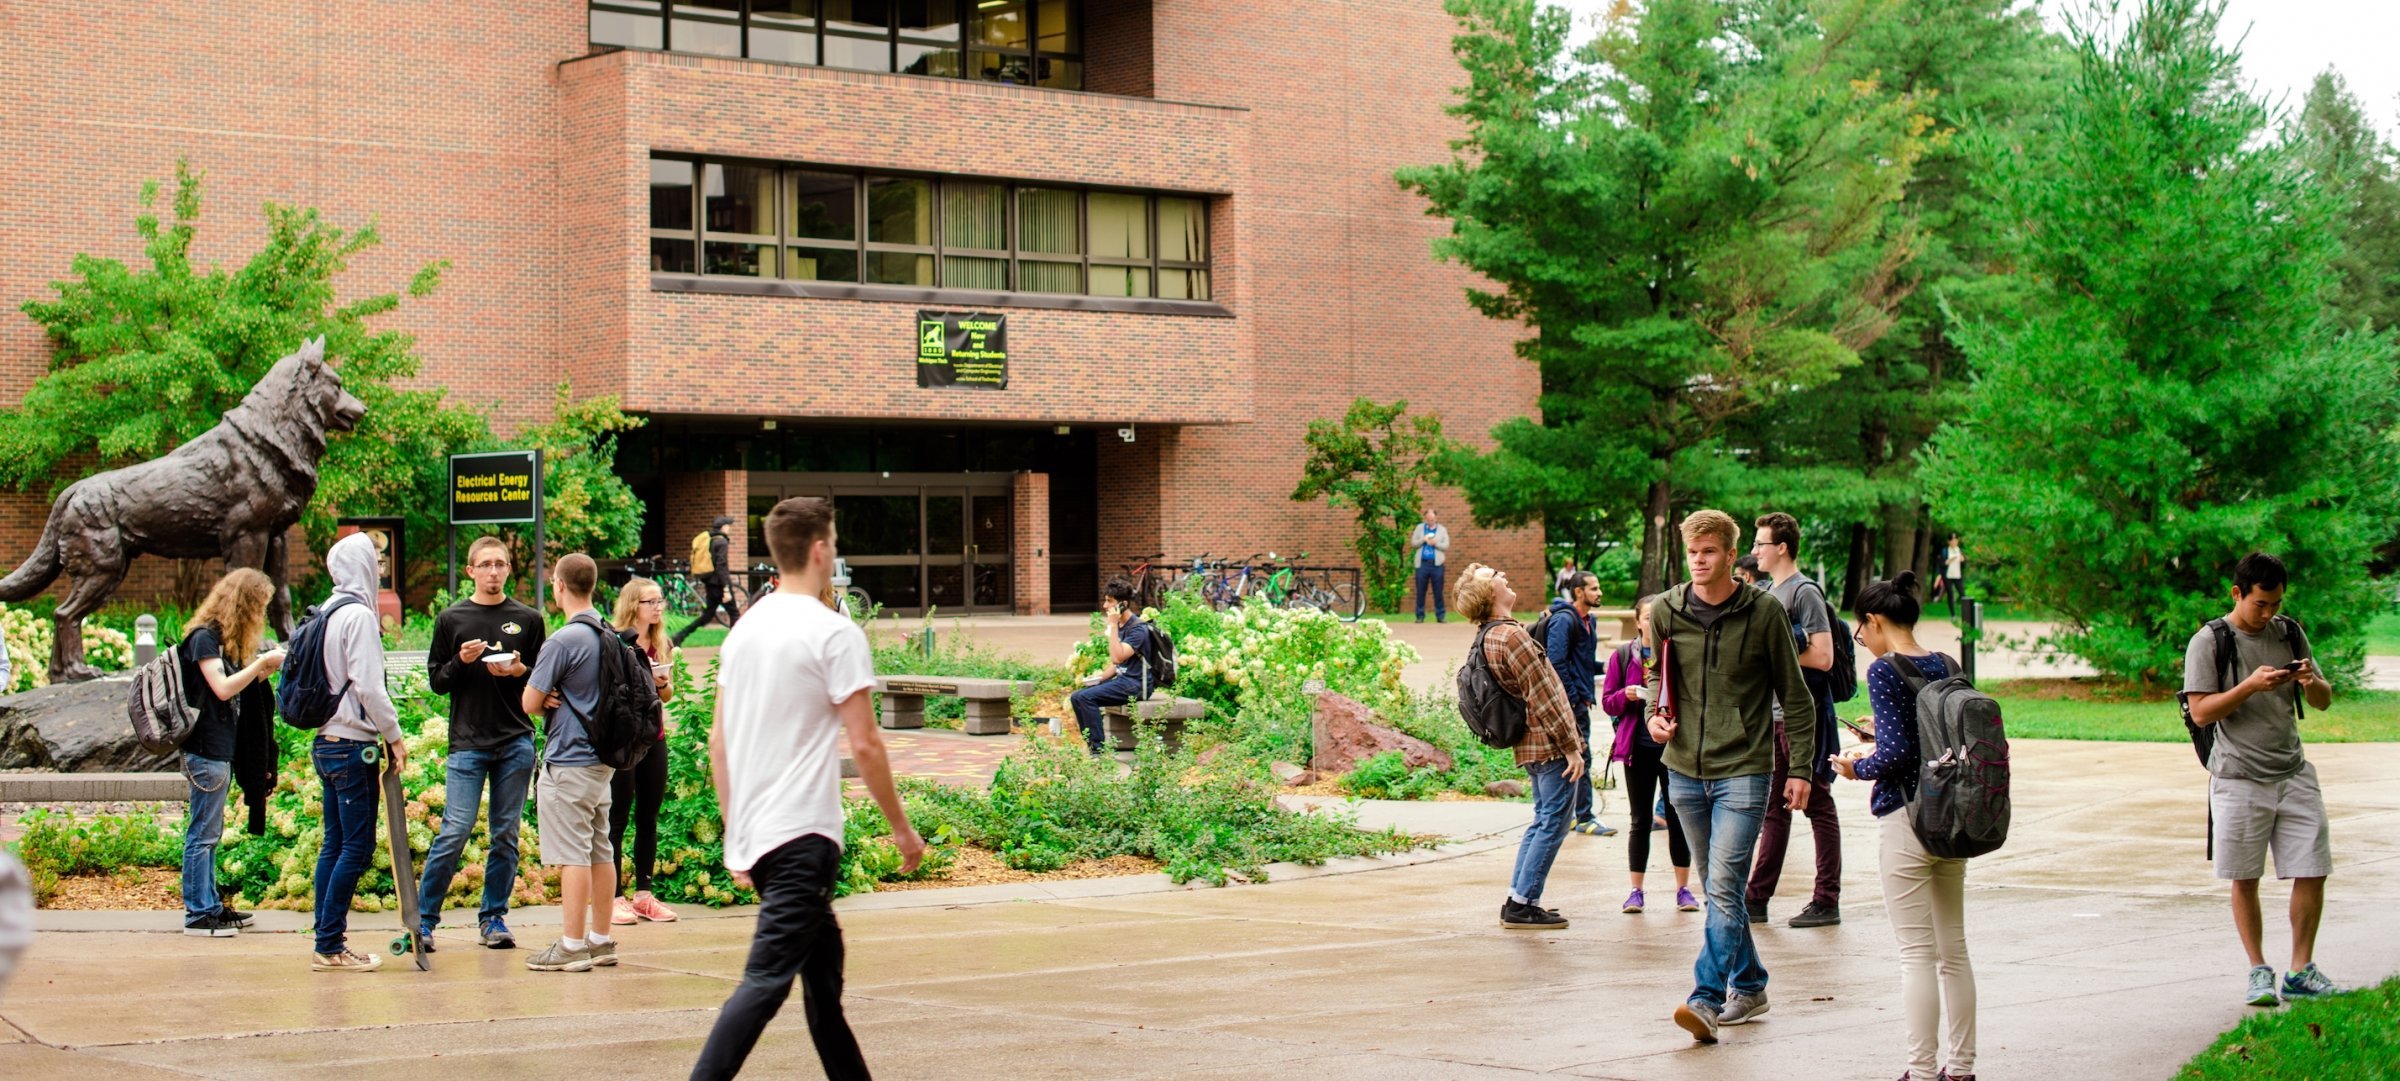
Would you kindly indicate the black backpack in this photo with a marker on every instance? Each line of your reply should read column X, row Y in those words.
column 1495, row 716
column 1958, row 803
column 304, row 697
column 1158, row 660
column 628, row 720
column 1841, row 680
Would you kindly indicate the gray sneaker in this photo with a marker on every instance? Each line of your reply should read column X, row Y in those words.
column 1699, row 1019
column 604, row 954
column 558, row 958
column 1741, row 1007
column 2262, row 987
column 2307, row 983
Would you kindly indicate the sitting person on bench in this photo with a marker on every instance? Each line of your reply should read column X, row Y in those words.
column 1124, row 680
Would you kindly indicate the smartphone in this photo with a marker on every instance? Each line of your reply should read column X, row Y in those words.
column 1864, row 736
column 2294, row 666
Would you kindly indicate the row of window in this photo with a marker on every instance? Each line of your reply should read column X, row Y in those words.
column 1026, row 42
column 813, row 224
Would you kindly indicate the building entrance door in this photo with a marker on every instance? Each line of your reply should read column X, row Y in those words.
column 912, row 541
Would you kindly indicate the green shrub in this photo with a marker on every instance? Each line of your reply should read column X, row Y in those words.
column 28, row 635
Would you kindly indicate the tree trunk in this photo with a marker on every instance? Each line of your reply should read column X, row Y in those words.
column 1899, row 539
column 1923, row 563
column 1854, row 576
column 1656, row 532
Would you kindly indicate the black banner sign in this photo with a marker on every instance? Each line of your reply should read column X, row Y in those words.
column 488, row 489
column 962, row 349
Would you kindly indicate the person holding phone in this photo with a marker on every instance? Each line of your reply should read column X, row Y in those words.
column 1924, row 895
column 636, row 794
column 1124, row 679
column 222, row 658
column 1622, row 694
column 2246, row 677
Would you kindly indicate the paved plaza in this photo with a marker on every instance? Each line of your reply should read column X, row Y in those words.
column 2101, row 943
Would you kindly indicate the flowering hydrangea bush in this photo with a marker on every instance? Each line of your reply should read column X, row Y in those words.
column 29, row 637
column 1261, row 660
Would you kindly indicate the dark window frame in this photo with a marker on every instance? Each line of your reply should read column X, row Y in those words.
column 782, row 240
column 893, row 37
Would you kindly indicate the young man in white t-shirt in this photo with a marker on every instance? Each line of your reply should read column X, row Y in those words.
column 793, row 675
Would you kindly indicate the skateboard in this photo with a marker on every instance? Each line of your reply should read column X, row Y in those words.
column 404, row 875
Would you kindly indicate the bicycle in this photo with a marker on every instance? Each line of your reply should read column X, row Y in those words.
column 674, row 583
column 1146, row 586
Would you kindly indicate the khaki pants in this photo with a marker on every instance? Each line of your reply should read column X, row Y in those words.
column 1926, row 897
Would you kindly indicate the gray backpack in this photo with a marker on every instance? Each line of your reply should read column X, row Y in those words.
column 163, row 717
column 1958, row 803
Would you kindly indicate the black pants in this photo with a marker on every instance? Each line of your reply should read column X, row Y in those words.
column 1644, row 773
column 717, row 586
column 797, row 936
column 634, row 796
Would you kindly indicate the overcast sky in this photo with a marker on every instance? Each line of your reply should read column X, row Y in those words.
column 2285, row 43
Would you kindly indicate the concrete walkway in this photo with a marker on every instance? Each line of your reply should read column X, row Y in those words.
column 2101, row 942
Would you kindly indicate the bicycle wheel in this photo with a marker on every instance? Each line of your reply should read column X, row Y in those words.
column 682, row 599
column 855, row 602
column 1347, row 602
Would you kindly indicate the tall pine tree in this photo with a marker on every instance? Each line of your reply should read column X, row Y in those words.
column 2173, row 392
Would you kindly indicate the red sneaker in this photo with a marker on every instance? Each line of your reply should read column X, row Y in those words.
column 648, row 908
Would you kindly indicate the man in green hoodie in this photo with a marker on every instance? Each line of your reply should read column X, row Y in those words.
column 1727, row 655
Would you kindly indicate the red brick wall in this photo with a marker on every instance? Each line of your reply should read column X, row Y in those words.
column 455, row 127
column 696, row 499
column 1029, row 561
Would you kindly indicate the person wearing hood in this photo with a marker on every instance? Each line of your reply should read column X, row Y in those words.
column 1573, row 648
column 711, row 551
column 349, row 751
column 1726, row 657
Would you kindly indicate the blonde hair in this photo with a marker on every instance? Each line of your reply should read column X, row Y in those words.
column 653, row 638
column 1712, row 523
column 1472, row 599
column 237, row 608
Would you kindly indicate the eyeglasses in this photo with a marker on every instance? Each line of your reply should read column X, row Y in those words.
column 657, row 601
column 1860, row 635
column 489, row 567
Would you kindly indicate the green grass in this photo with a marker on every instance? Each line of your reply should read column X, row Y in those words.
column 2356, row 1035
column 2383, row 635
column 2033, row 711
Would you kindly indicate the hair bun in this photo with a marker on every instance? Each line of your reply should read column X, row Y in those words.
column 1905, row 582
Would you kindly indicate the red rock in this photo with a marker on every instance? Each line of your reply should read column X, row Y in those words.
column 1344, row 734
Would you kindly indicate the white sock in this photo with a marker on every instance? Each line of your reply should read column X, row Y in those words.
column 597, row 939
column 574, row 943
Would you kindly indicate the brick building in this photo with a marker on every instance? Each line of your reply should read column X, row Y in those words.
column 733, row 213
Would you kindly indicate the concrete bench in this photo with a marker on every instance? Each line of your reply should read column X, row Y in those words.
column 1162, row 713
column 988, row 712
column 94, row 788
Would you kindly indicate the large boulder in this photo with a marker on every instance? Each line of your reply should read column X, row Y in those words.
column 1345, row 734
column 74, row 728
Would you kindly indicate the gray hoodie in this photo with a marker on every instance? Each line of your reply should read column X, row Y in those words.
column 354, row 647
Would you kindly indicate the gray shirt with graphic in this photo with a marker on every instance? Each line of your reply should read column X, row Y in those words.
column 2260, row 740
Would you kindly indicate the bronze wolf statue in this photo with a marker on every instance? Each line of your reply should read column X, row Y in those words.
column 234, row 492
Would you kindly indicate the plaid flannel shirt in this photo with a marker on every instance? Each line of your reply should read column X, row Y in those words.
column 1523, row 669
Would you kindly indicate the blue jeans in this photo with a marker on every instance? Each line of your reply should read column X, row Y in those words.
column 1087, row 703
column 1553, row 810
column 509, row 767
column 350, row 786
column 211, row 780
column 1432, row 574
column 1585, row 798
column 1721, row 818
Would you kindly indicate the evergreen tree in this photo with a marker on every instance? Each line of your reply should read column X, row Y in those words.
column 1694, row 220
column 2354, row 163
column 2172, row 392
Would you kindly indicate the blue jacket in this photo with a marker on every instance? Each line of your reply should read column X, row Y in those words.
column 1573, row 647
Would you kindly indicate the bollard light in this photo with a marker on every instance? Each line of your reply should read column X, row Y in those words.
column 145, row 639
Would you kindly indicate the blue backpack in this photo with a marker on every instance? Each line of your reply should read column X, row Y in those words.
column 303, row 698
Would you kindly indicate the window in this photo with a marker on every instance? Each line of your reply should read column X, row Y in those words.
column 1025, row 42
column 812, row 223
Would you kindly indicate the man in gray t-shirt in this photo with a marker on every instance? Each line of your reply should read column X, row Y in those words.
column 569, row 667
column 2262, row 793
column 572, row 790
column 1777, row 549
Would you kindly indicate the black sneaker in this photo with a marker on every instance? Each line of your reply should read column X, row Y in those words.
column 235, row 916
column 1758, row 911
column 1523, row 917
column 212, row 925
column 1818, row 914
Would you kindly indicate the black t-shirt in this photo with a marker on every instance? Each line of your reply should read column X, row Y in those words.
column 485, row 710
column 213, row 735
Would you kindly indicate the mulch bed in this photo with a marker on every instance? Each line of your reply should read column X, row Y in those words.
column 971, row 866
column 2077, row 689
column 158, row 888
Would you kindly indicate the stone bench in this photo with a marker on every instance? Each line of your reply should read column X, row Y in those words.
column 988, row 712
column 94, row 788
column 1161, row 713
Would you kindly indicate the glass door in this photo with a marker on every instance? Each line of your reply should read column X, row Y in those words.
column 945, row 548
column 988, row 555
column 911, row 542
